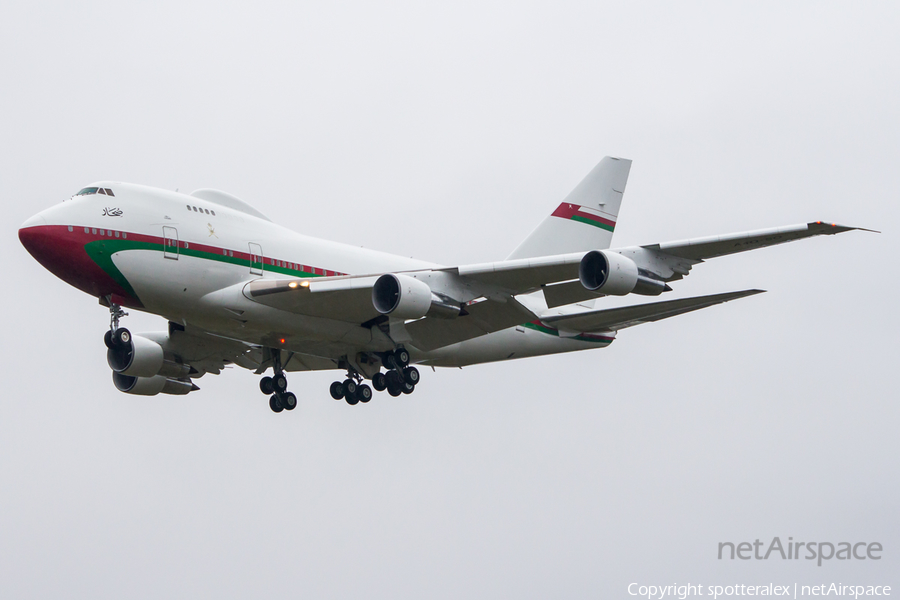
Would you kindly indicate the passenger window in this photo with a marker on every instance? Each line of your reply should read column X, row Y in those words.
column 189, row 207
column 117, row 234
column 213, row 212
column 206, row 210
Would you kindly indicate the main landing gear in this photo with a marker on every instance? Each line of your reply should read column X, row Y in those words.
column 400, row 378
column 280, row 399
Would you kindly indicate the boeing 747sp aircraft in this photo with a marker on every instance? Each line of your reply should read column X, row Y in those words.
column 237, row 288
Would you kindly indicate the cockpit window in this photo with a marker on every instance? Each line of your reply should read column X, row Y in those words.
column 93, row 190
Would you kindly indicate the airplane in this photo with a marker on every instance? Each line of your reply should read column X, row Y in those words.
column 239, row 289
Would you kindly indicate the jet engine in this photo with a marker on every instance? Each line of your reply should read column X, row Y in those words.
column 137, row 356
column 151, row 386
column 616, row 275
column 406, row 297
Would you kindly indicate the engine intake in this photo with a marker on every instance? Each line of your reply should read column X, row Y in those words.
column 406, row 297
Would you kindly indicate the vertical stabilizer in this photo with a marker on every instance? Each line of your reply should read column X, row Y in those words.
column 586, row 219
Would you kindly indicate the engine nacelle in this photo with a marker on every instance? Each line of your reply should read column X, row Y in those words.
column 151, row 386
column 406, row 297
column 608, row 273
column 141, row 357
column 616, row 275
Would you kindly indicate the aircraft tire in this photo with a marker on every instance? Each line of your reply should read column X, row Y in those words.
column 279, row 382
column 407, row 388
column 402, row 357
column 364, row 393
column 337, row 390
column 379, row 382
column 121, row 337
column 289, row 401
column 275, row 403
column 411, row 375
column 266, row 386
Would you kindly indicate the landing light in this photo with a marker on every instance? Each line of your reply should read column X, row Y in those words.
column 292, row 284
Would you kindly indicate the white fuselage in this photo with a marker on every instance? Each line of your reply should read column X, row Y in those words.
column 187, row 259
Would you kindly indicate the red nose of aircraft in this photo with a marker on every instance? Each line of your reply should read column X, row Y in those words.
column 76, row 256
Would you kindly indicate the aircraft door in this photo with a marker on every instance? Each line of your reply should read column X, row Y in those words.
column 170, row 243
column 256, row 259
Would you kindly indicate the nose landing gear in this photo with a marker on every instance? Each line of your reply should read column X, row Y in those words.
column 116, row 336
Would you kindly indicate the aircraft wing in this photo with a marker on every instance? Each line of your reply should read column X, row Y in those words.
column 613, row 319
column 486, row 291
column 699, row 249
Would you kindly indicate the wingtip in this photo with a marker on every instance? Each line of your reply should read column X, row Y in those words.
column 829, row 228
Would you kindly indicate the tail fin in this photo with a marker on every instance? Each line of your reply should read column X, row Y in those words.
column 586, row 218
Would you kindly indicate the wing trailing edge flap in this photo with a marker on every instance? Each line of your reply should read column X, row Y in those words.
column 613, row 319
column 486, row 316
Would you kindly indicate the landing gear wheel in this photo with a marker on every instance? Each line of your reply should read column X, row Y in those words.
column 279, row 382
column 393, row 378
column 379, row 382
column 121, row 337
column 352, row 399
column 364, row 393
column 107, row 339
column 349, row 389
column 407, row 388
column 393, row 388
column 289, row 401
column 266, row 386
column 275, row 403
column 337, row 390
column 402, row 357
column 411, row 375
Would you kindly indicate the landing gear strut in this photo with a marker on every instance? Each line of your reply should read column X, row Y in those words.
column 280, row 398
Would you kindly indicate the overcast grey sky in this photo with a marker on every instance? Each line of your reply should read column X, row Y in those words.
column 447, row 131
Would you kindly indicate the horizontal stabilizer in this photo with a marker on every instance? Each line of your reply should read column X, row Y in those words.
column 613, row 319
